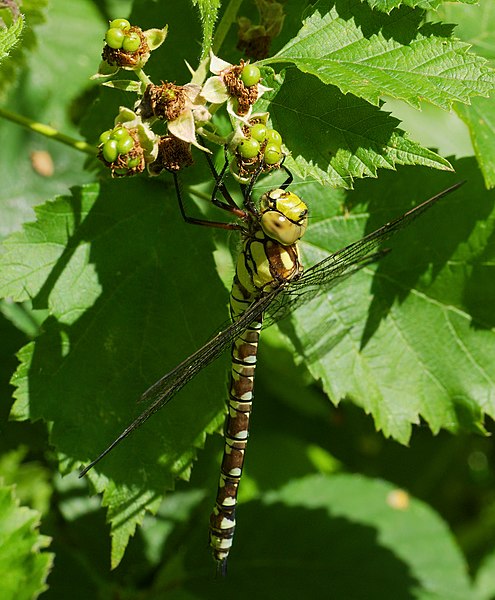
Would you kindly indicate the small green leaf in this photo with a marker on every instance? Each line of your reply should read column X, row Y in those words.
column 32, row 15
column 23, row 564
column 125, row 85
column 365, row 52
column 10, row 36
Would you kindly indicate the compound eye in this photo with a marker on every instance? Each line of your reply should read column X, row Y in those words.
column 279, row 228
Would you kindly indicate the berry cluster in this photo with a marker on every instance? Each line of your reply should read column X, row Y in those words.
column 120, row 36
column 187, row 112
column 116, row 148
column 261, row 138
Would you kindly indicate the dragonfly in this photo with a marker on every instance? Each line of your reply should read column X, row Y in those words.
column 269, row 284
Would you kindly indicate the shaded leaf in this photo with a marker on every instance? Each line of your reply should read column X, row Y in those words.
column 115, row 267
column 393, row 542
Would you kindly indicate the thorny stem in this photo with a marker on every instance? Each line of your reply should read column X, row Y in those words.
column 229, row 17
column 48, row 131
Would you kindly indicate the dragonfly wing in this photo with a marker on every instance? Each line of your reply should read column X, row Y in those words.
column 336, row 267
column 304, row 290
column 161, row 392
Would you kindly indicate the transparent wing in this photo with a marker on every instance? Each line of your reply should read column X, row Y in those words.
column 332, row 270
column 161, row 392
column 275, row 305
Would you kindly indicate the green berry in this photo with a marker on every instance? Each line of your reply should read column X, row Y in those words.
column 131, row 42
column 250, row 75
column 120, row 133
column 110, row 151
column 105, row 136
column 249, row 148
column 272, row 154
column 258, row 131
column 125, row 145
column 120, row 24
column 132, row 163
column 114, row 38
column 273, row 137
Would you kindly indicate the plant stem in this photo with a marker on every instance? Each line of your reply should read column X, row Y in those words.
column 142, row 76
column 223, row 27
column 48, row 131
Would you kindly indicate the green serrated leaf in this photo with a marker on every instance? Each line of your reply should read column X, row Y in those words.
column 409, row 349
column 370, row 55
column 345, row 138
column 116, row 266
column 388, row 5
column 23, row 565
column 10, row 36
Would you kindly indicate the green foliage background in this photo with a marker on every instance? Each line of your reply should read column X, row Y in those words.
column 106, row 289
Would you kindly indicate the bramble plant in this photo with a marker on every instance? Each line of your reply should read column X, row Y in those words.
column 105, row 288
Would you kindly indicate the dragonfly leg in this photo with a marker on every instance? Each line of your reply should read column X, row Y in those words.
column 229, row 205
column 194, row 220
column 290, row 177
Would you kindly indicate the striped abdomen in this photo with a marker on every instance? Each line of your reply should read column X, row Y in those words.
column 263, row 264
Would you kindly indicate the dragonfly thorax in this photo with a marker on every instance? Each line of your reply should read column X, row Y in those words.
column 284, row 216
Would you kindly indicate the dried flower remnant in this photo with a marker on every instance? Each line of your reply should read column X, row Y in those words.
column 166, row 101
column 182, row 106
column 255, row 40
column 173, row 155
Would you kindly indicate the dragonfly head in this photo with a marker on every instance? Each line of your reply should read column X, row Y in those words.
column 284, row 216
